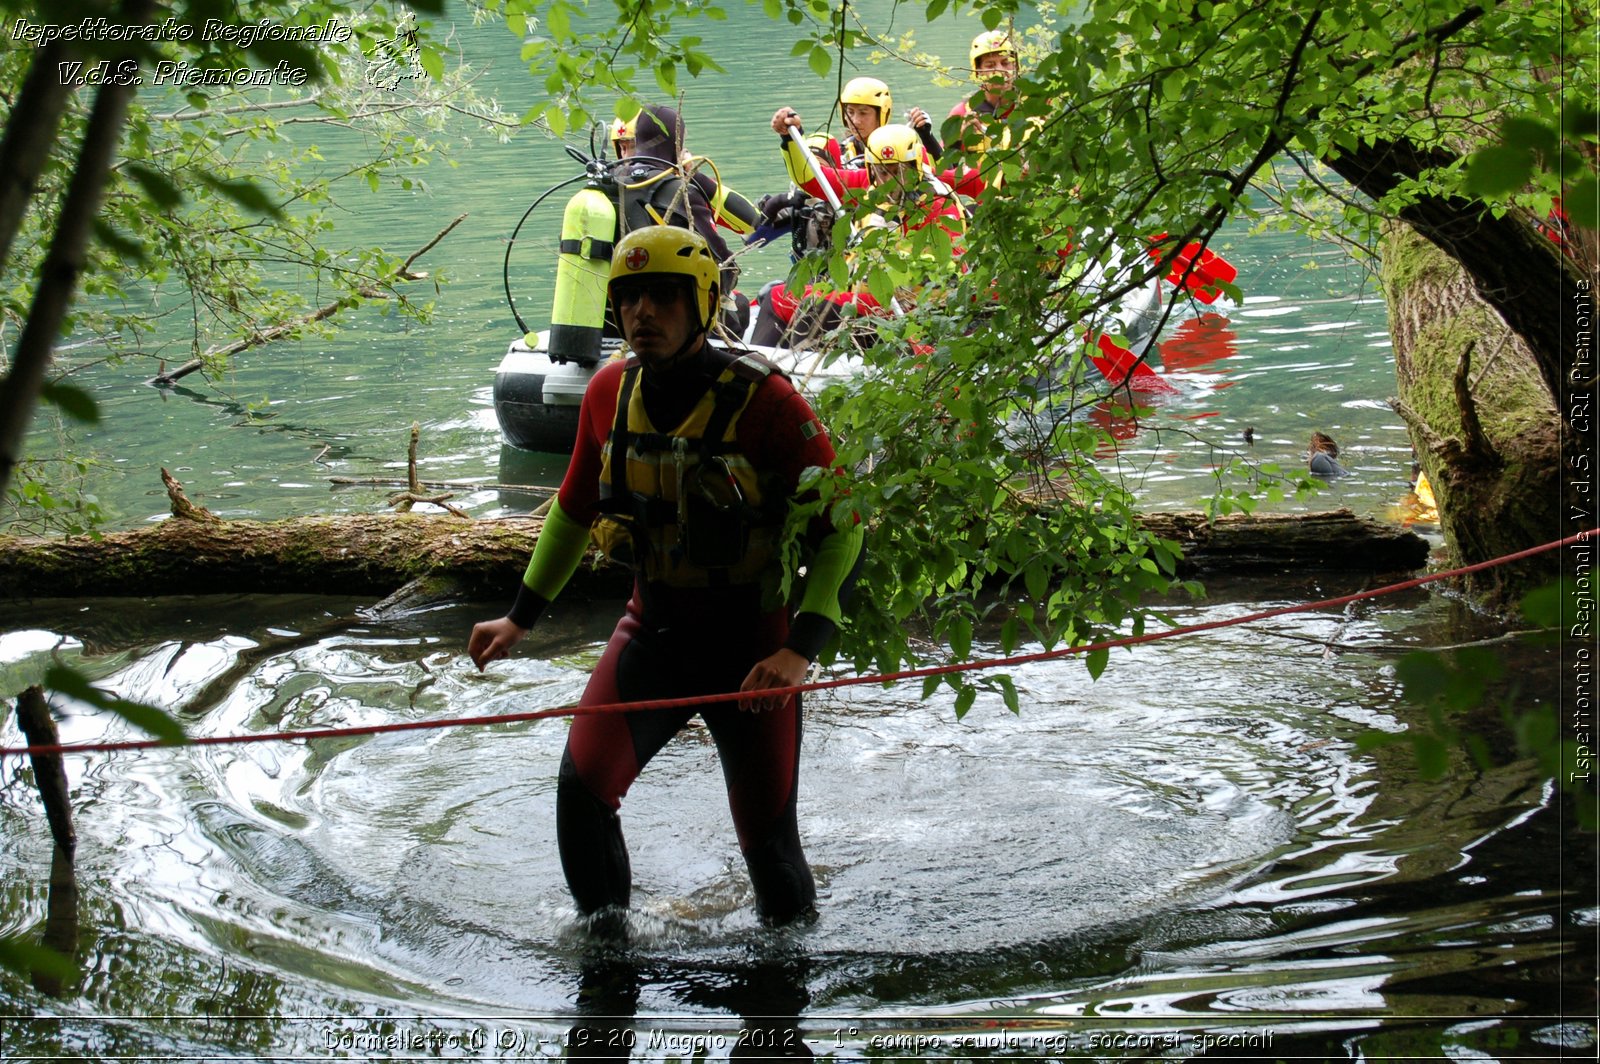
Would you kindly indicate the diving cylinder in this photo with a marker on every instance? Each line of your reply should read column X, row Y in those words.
column 578, row 315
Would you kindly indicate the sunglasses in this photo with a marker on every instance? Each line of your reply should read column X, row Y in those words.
column 660, row 290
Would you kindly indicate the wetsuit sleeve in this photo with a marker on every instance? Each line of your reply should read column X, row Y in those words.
column 556, row 556
column 930, row 142
column 830, row 574
column 803, row 170
column 733, row 211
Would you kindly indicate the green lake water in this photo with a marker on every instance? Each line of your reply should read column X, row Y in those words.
column 1191, row 856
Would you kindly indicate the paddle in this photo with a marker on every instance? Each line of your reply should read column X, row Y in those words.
column 805, row 152
column 1204, row 275
column 1120, row 366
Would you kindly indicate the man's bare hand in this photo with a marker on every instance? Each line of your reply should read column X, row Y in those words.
column 493, row 640
column 782, row 668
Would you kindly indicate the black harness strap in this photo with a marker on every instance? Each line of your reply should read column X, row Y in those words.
column 588, row 247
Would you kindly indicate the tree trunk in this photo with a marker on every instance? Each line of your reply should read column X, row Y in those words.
column 1511, row 266
column 63, row 263
column 1483, row 422
column 375, row 554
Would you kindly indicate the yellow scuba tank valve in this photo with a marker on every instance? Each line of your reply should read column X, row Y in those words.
column 578, row 311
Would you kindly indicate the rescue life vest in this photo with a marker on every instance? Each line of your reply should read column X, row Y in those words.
column 686, row 508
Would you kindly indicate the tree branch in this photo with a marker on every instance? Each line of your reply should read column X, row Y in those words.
column 30, row 131
column 285, row 328
column 1475, row 443
column 58, row 276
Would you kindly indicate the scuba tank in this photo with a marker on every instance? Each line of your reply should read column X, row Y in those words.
column 578, row 311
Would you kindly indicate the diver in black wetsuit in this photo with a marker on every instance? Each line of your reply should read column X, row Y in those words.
column 657, row 186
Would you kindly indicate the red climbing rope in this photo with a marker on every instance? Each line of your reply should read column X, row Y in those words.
column 824, row 685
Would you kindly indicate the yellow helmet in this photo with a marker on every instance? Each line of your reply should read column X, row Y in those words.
column 868, row 91
column 670, row 250
column 621, row 131
column 990, row 41
column 892, row 144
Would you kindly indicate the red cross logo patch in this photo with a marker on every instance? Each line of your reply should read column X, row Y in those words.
column 637, row 258
column 888, row 152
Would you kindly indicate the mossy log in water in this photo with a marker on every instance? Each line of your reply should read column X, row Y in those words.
column 376, row 554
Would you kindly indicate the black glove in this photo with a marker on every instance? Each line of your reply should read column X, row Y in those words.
column 778, row 207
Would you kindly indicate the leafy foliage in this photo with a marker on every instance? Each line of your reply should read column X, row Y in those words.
column 1146, row 117
column 219, row 221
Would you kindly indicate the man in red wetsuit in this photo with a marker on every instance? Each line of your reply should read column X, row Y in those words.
column 994, row 66
column 688, row 456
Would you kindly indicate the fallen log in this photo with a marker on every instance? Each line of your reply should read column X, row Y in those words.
column 376, row 554
column 1334, row 540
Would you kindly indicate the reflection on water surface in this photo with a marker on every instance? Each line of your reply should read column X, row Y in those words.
column 1192, row 844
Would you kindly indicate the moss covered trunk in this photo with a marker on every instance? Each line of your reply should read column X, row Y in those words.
column 1482, row 418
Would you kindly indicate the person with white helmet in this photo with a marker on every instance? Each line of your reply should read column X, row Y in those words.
column 688, row 457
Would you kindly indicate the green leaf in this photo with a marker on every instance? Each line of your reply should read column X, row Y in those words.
column 157, row 186
column 27, row 958
column 1542, row 606
column 120, row 242
column 148, row 719
column 1498, row 170
column 1529, row 134
column 1422, row 676
column 667, row 77
column 1096, row 661
column 959, row 636
column 1008, row 635
column 820, row 61
column 245, row 192
column 964, row 699
column 1580, row 122
column 1008, row 692
column 1582, row 202
column 992, row 17
column 432, row 62
column 558, row 21
column 1433, row 757
column 72, row 401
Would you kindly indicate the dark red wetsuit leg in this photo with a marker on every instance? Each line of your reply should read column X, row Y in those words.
column 760, row 754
